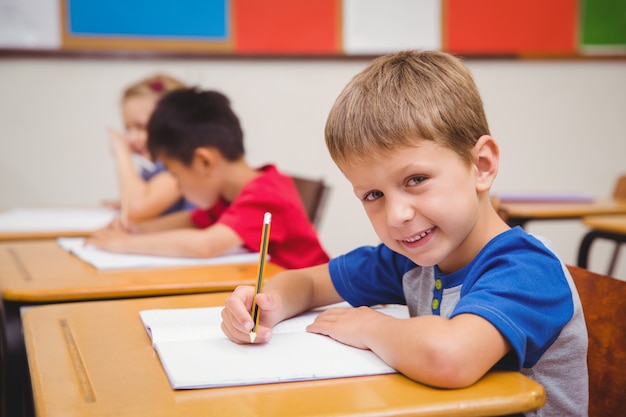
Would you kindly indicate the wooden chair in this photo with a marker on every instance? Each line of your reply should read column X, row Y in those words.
column 619, row 191
column 605, row 227
column 604, row 308
column 313, row 194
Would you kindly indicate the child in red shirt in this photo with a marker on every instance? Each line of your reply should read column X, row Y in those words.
column 198, row 138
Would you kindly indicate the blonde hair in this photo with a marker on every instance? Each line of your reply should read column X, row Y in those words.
column 155, row 85
column 404, row 97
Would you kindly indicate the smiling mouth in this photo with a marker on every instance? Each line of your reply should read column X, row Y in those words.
column 418, row 237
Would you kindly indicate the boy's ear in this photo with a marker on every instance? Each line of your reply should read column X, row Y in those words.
column 203, row 159
column 486, row 155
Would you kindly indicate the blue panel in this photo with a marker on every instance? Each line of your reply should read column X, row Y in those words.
column 206, row 19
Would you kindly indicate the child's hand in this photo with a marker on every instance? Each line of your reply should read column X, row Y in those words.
column 108, row 239
column 112, row 204
column 237, row 320
column 122, row 225
column 118, row 143
column 347, row 325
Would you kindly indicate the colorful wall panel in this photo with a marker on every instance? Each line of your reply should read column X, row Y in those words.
column 544, row 28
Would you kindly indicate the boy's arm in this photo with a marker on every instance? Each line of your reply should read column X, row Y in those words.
column 284, row 295
column 190, row 243
column 177, row 220
column 447, row 353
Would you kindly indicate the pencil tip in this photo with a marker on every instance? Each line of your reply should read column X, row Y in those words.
column 252, row 337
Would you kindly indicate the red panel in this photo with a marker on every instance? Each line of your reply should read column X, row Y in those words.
column 510, row 26
column 286, row 26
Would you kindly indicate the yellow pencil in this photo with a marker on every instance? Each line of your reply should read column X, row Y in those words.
column 265, row 240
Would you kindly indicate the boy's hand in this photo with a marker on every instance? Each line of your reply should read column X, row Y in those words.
column 108, row 239
column 236, row 318
column 349, row 326
column 119, row 224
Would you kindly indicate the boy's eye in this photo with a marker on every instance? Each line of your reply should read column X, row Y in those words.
column 416, row 180
column 373, row 195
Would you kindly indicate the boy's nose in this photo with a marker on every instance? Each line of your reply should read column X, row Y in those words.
column 399, row 211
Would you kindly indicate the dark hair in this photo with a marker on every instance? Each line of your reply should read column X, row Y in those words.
column 187, row 119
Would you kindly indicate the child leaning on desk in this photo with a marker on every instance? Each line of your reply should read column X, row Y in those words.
column 198, row 138
column 410, row 134
column 147, row 190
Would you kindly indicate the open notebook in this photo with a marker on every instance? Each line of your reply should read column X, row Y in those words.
column 55, row 219
column 107, row 260
column 195, row 353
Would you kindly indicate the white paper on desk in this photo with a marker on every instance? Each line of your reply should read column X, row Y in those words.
column 55, row 219
column 195, row 353
column 107, row 260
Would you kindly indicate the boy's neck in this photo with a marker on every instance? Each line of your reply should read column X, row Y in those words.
column 236, row 175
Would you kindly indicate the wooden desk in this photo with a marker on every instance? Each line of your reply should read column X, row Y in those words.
column 602, row 227
column 518, row 213
column 95, row 359
column 48, row 234
column 41, row 271
column 35, row 272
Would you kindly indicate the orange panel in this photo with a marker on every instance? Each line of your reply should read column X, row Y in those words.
column 286, row 26
column 510, row 26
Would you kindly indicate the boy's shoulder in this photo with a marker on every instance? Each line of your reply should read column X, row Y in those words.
column 269, row 178
column 271, row 188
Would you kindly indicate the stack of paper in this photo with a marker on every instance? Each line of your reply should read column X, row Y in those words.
column 55, row 219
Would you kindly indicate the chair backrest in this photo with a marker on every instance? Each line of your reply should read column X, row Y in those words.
column 619, row 191
column 313, row 194
column 604, row 306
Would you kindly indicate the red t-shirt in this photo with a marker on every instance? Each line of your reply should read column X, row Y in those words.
column 293, row 239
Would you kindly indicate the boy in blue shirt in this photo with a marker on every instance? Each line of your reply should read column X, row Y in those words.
column 411, row 136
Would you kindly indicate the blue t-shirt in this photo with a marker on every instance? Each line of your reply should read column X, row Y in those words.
column 181, row 204
column 515, row 282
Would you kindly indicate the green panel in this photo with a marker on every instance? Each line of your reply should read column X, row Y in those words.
column 603, row 23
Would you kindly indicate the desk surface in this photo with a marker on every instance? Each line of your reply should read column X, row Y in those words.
column 104, row 358
column 615, row 224
column 43, row 234
column 41, row 271
column 519, row 212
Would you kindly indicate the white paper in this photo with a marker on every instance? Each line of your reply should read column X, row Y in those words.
column 196, row 354
column 55, row 219
column 107, row 260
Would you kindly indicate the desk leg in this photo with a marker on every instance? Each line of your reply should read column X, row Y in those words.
column 16, row 390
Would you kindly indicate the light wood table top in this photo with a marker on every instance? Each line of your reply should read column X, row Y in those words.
column 517, row 213
column 96, row 359
column 616, row 224
column 43, row 234
column 41, row 271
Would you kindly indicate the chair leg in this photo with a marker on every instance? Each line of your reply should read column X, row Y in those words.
column 585, row 246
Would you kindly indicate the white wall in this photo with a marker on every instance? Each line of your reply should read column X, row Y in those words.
column 561, row 126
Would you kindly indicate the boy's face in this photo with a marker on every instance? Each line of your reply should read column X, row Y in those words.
column 422, row 202
column 195, row 182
